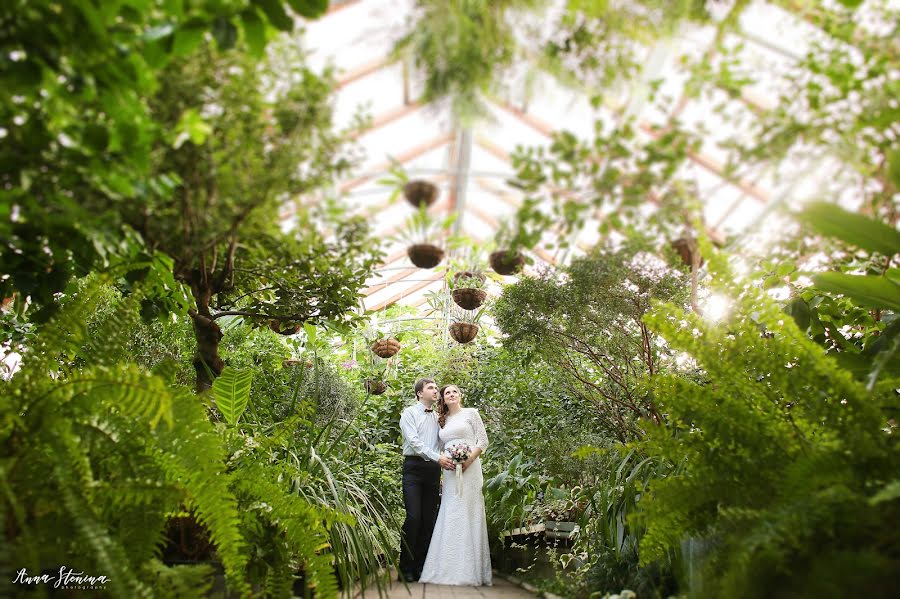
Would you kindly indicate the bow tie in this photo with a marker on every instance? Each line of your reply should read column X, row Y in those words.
column 428, row 410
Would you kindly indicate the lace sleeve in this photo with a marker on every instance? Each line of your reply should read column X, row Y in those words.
column 481, row 439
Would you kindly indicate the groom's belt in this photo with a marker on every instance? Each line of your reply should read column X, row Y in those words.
column 418, row 458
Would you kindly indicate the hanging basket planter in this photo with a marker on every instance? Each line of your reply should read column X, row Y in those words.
column 386, row 348
column 468, row 298
column 290, row 363
column 375, row 387
column 425, row 255
column 420, row 193
column 463, row 332
column 507, row 262
column 686, row 247
column 468, row 274
column 284, row 328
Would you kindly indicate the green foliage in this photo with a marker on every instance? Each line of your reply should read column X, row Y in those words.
column 510, row 493
column 614, row 482
column 593, row 46
column 422, row 227
column 854, row 229
column 588, row 325
column 96, row 457
column 860, row 329
column 461, row 47
column 835, row 101
column 74, row 78
column 99, row 455
column 611, row 175
column 231, row 391
column 783, row 453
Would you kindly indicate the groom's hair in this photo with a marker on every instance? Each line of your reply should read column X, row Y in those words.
column 420, row 384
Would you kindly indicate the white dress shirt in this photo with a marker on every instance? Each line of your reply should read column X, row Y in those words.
column 420, row 432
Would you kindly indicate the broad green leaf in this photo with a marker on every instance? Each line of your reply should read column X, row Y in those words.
column 309, row 8
column 187, row 38
column 798, row 309
column 276, row 14
column 231, row 390
column 310, row 330
column 869, row 291
column 889, row 492
column 254, row 32
column 855, row 229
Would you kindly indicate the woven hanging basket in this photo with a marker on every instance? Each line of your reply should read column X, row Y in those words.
column 463, row 332
column 506, row 262
column 386, row 348
column 420, row 193
column 375, row 387
column 686, row 246
column 469, row 274
column 468, row 298
column 283, row 328
column 425, row 255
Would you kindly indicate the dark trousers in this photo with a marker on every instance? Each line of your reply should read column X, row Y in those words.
column 421, row 497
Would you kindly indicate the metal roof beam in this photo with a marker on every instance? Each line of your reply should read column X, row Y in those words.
column 403, row 158
column 417, row 287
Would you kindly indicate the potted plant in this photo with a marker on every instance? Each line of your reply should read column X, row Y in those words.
column 559, row 518
column 420, row 193
column 508, row 258
column 285, row 328
column 373, row 376
column 687, row 248
column 416, row 191
column 385, row 347
column 467, row 289
column 421, row 229
column 466, row 273
column 464, row 327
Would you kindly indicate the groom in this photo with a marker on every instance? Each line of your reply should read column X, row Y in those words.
column 422, row 464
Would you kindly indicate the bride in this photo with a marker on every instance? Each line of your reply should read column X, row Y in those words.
column 459, row 552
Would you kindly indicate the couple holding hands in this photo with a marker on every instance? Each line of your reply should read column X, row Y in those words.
column 447, row 545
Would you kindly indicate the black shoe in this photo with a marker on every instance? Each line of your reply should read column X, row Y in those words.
column 406, row 577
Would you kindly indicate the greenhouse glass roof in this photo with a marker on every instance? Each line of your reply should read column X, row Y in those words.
column 471, row 165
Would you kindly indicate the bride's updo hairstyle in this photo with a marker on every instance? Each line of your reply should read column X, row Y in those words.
column 442, row 406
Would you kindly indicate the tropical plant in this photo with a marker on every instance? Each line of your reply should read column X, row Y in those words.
column 424, row 229
column 608, row 178
column 788, row 462
column 460, row 48
column 395, row 179
column 510, row 493
column 68, row 135
column 235, row 164
column 861, row 330
column 99, row 457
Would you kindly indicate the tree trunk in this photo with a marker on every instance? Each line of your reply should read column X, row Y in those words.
column 206, row 362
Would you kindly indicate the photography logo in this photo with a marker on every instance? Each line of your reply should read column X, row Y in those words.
column 66, row 578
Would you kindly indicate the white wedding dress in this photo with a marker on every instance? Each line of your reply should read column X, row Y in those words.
column 459, row 552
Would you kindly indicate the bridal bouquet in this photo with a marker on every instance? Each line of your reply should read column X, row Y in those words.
column 459, row 453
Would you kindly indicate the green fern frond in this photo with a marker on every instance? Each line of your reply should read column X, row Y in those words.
column 109, row 555
column 192, row 456
column 302, row 524
column 176, row 582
